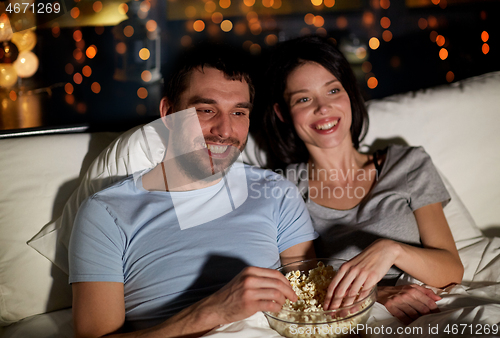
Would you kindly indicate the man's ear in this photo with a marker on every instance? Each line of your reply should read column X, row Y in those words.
column 277, row 111
column 166, row 108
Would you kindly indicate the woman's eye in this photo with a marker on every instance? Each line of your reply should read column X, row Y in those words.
column 333, row 91
column 302, row 99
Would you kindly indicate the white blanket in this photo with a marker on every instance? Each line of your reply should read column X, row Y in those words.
column 471, row 309
column 466, row 310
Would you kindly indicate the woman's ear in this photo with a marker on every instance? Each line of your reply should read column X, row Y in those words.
column 277, row 111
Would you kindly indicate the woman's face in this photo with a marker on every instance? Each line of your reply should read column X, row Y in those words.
column 319, row 106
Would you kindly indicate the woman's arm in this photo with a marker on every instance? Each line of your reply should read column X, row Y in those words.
column 436, row 264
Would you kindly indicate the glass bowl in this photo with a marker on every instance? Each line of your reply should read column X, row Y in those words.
column 342, row 322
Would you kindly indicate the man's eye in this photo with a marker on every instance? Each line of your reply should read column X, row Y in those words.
column 239, row 113
column 206, row 111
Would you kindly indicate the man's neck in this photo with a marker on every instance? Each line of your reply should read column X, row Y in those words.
column 167, row 176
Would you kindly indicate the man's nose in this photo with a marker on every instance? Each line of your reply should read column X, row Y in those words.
column 222, row 126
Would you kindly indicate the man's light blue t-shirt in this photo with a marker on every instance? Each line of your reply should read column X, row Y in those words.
column 133, row 236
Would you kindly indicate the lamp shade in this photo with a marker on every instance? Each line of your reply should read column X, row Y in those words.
column 8, row 75
column 26, row 64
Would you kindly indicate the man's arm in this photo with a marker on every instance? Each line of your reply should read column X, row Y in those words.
column 298, row 252
column 99, row 307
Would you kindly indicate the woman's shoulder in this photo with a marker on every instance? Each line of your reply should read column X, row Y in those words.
column 413, row 153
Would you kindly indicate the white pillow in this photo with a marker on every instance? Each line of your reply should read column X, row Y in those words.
column 137, row 149
column 37, row 176
column 457, row 125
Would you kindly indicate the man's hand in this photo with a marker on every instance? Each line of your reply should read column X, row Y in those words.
column 408, row 302
column 361, row 274
column 252, row 290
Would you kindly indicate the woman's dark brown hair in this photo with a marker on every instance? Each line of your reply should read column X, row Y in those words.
column 283, row 142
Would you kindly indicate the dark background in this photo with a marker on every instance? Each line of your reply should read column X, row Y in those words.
column 408, row 61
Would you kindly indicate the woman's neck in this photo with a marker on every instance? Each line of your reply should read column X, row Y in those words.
column 343, row 160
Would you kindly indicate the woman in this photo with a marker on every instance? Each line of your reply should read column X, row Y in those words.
column 383, row 211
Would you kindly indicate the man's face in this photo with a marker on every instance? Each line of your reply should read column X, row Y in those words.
column 223, row 108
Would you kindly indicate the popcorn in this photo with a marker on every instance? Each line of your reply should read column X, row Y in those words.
column 305, row 318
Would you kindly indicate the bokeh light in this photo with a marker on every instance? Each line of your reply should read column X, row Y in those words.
column 77, row 78
column 249, row 3
column 374, row 43
column 75, row 12
column 96, row 87
column 210, row 6
column 385, row 4
column 225, row 3
column 128, row 31
column 486, row 48
column 271, row 40
column 86, row 71
column 226, row 25
column 443, row 54
column 77, row 35
column 385, row 22
column 121, row 48
column 68, row 88
column 142, row 93
column 146, row 76
column 440, row 40
column 97, row 6
column 342, row 22
column 151, row 25
column 309, row 18
column 190, row 11
column 217, row 17
column 485, row 36
column 387, row 36
column 144, row 54
column 329, row 3
column 123, row 8
column 69, row 68
column 372, row 82
column 450, row 76
column 199, row 25
column 319, row 21
column 317, row 2
column 91, row 51
column 422, row 23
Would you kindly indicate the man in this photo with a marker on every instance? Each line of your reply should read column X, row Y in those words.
column 184, row 247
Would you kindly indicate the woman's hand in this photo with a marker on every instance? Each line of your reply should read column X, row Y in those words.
column 408, row 302
column 361, row 273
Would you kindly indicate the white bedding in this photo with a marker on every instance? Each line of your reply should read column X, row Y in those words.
column 476, row 302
